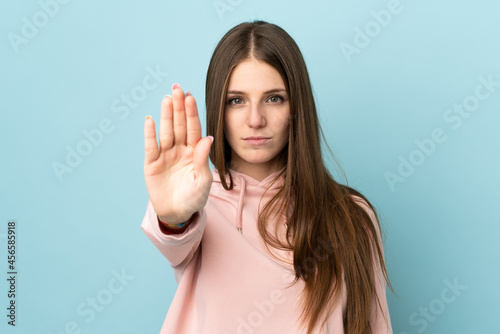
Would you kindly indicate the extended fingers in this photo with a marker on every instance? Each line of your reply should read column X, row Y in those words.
column 192, row 120
column 179, row 116
column 201, row 152
column 166, row 124
column 150, row 145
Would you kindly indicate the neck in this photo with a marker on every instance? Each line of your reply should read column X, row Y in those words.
column 256, row 171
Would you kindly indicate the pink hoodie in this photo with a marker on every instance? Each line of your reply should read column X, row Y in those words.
column 228, row 282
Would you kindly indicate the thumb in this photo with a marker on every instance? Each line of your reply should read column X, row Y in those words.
column 200, row 154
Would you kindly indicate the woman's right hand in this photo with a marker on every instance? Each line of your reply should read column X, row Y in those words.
column 177, row 174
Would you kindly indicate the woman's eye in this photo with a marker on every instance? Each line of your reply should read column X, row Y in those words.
column 275, row 99
column 236, row 100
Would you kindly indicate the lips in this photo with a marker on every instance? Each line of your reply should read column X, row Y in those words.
column 256, row 140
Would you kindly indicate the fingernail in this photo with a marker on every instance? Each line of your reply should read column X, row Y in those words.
column 148, row 116
column 175, row 85
column 188, row 93
column 211, row 138
column 168, row 95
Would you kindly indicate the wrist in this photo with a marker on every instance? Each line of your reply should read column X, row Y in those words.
column 174, row 221
column 168, row 222
column 169, row 228
column 180, row 225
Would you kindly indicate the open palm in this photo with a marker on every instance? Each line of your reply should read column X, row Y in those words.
column 176, row 171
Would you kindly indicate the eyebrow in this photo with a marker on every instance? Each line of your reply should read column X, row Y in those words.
column 274, row 90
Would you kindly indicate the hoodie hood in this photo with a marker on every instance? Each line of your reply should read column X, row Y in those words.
column 241, row 178
column 245, row 185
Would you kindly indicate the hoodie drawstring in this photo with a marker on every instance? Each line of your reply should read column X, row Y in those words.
column 239, row 213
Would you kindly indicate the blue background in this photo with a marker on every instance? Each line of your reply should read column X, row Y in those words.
column 78, row 231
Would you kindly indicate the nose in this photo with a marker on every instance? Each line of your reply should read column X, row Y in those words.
column 256, row 117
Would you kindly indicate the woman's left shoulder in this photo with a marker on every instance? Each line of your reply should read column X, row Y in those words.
column 362, row 201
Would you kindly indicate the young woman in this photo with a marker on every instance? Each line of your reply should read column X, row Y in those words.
column 268, row 241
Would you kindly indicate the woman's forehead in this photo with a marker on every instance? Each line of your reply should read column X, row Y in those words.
column 253, row 75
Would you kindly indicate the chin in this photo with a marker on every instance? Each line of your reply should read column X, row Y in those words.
column 259, row 160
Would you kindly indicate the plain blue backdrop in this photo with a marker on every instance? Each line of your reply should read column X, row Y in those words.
column 408, row 94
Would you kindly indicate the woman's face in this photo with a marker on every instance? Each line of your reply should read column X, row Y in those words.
column 256, row 118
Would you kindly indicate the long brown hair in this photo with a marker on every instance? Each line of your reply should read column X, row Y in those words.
column 321, row 208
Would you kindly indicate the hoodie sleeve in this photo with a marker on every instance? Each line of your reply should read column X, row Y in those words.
column 380, row 320
column 180, row 248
